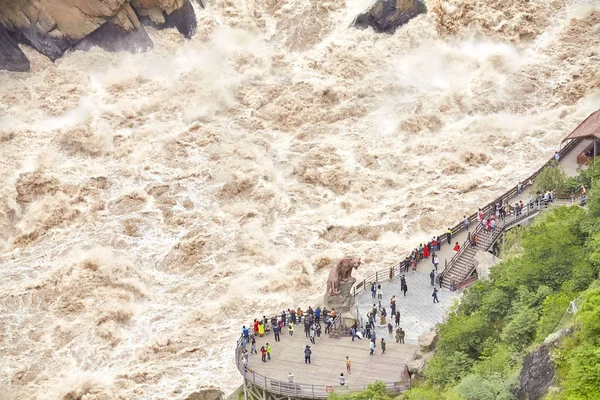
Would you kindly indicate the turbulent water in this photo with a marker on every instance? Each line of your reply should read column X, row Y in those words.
column 153, row 203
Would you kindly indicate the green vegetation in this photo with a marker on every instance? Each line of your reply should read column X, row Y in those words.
column 546, row 266
column 481, row 346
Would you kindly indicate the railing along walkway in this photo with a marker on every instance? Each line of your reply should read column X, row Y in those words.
column 401, row 267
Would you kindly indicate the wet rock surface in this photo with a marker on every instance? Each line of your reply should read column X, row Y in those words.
column 386, row 16
column 12, row 57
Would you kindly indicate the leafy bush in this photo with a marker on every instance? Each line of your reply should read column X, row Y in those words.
column 520, row 331
column 551, row 178
column 488, row 387
column 448, row 368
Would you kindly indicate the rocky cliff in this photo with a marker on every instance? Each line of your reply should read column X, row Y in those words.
column 54, row 26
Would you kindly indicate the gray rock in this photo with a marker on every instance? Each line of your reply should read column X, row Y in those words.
column 537, row 374
column 206, row 394
column 427, row 341
column 388, row 15
column 182, row 19
column 113, row 38
column 52, row 47
column 343, row 302
column 12, row 57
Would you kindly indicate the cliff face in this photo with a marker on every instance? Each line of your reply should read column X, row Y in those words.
column 54, row 26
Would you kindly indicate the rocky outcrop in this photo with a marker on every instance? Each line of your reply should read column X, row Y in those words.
column 537, row 374
column 12, row 57
column 206, row 394
column 428, row 341
column 484, row 261
column 54, row 26
column 388, row 15
column 161, row 14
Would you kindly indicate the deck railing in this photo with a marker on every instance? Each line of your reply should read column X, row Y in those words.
column 307, row 390
column 397, row 269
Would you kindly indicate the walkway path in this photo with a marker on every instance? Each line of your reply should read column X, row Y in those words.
column 418, row 313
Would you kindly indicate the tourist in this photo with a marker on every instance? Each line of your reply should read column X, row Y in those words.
column 352, row 333
column 318, row 330
column 276, row 333
column 402, row 334
column 306, row 328
column 263, row 352
column 245, row 359
column 291, row 328
column 371, row 347
column 318, row 315
column 393, row 305
column 373, row 290
column 246, row 332
column 440, row 276
column 452, row 286
column 436, row 261
column 519, row 187
column 299, row 314
column 425, row 252
column 382, row 346
column 456, row 247
column 493, row 224
column 449, row 235
column 368, row 330
column 290, row 377
column 397, row 318
column 261, row 329
column 466, row 223
column 313, row 331
column 390, row 329
column 382, row 321
column 328, row 325
column 398, row 335
column 307, row 353
column 379, row 292
column 342, row 380
column 479, row 215
column 255, row 327
column 432, row 276
column 348, row 365
column 404, row 288
column 293, row 316
column 556, row 156
column 253, row 346
column 434, row 295
column 244, row 343
column 268, row 351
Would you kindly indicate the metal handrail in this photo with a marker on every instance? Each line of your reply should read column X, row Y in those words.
column 305, row 389
column 472, row 218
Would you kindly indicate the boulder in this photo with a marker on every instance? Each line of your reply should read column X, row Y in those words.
column 162, row 14
column 427, row 341
column 206, row 394
column 388, row 15
column 483, row 262
column 344, row 301
column 12, row 57
column 123, row 32
column 416, row 367
column 537, row 374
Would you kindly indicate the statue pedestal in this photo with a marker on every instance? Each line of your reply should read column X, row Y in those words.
column 343, row 303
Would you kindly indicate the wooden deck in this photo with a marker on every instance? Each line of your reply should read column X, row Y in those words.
column 328, row 360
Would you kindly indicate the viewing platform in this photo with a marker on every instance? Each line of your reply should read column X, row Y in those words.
column 270, row 380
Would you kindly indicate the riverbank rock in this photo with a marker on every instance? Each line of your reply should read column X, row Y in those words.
column 160, row 14
column 388, row 15
column 427, row 341
column 12, row 57
column 53, row 27
column 537, row 374
column 484, row 261
column 123, row 32
column 206, row 394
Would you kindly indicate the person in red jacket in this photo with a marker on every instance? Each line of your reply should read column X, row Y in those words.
column 456, row 247
column 263, row 352
column 255, row 326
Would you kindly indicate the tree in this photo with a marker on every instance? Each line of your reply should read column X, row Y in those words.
column 519, row 332
column 551, row 178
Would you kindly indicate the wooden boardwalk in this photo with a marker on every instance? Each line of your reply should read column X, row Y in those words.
column 328, row 360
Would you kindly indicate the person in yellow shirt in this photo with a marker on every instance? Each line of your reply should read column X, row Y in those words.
column 299, row 314
column 348, row 364
column 261, row 329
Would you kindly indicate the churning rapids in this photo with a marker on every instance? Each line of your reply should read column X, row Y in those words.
column 153, row 203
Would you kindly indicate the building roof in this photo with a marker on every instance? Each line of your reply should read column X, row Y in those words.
column 588, row 129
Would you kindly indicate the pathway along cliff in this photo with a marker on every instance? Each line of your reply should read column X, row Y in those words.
column 149, row 202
